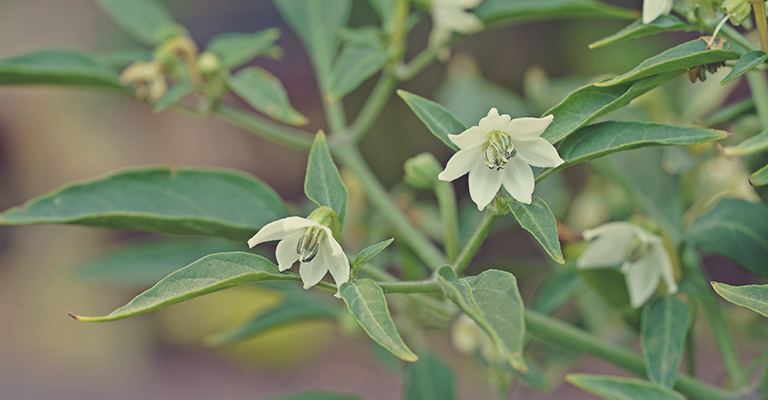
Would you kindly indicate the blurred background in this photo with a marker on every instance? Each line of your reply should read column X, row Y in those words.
column 52, row 136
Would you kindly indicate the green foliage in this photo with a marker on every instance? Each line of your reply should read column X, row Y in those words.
column 322, row 183
column 366, row 301
column 145, row 20
column 735, row 229
column 429, row 379
column 637, row 29
column 503, row 11
column 744, row 64
column 753, row 145
column 538, row 219
column 753, row 297
column 665, row 324
column 58, row 67
column 438, row 120
column 235, row 49
column 174, row 95
column 759, row 177
column 360, row 59
column 367, row 254
column 317, row 396
column 219, row 203
column 610, row 284
column 262, row 91
column 612, row 388
column 558, row 288
column 492, row 300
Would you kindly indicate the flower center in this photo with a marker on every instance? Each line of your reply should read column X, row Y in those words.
column 498, row 150
column 636, row 249
column 309, row 244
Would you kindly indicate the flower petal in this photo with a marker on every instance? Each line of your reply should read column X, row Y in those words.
column 605, row 251
column 456, row 19
column 338, row 265
column 528, row 128
column 313, row 272
column 538, row 152
column 286, row 251
column 642, row 279
column 484, row 183
column 660, row 254
column 622, row 229
column 461, row 163
column 458, row 3
column 471, row 137
column 488, row 123
column 652, row 9
column 518, row 180
column 279, row 229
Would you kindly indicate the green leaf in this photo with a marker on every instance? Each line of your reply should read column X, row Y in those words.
column 609, row 137
column 358, row 61
column 235, row 49
column 735, row 229
column 612, row 388
column 367, row 303
column 492, row 300
column 501, row 11
column 293, row 309
column 591, row 102
column 58, row 67
column 665, row 324
column 429, row 379
column 206, row 275
column 317, row 396
column 438, row 120
column 174, row 95
column 220, row 203
column 753, row 145
column 323, row 184
column 142, row 264
column 368, row 253
column 610, row 284
column 538, row 219
column 557, row 289
column 753, row 297
column 686, row 55
column 122, row 57
column 386, row 11
column 317, row 23
column 145, row 20
column 262, row 91
column 637, row 29
column 759, row 177
column 745, row 63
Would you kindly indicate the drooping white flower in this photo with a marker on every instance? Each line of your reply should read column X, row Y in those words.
column 310, row 243
column 448, row 16
column 652, row 9
column 500, row 151
column 643, row 258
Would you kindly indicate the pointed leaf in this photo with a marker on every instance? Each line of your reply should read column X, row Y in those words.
column 753, row 145
column 145, row 20
column 236, row 49
column 753, row 297
column 58, row 67
column 206, row 275
column 501, row 11
column 745, row 63
column 759, row 177
column 368, row 253
column 591, row 102
column 686, row 55
column 221, row 203
column 262, row 91
column 735, row 229
column 612, row 388
column 438, row 120
column 174, row 95
column 665, row 324
column 358, row 61
column 637, row 29
column 429, row 379
column 367, row 303
column 323, row 184
column 386, row 11
column 557, row 289
column 492, row 300
column 538, row 219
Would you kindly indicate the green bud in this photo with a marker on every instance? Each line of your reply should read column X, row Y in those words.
column 421, row 171
column 738, row 10
column 208, row 63
column 327, row 217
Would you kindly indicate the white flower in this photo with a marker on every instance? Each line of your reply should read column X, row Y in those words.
column 499, row 151
column 469, row 338
column 643, row 258
column 652, row 9
column 448, row 16
column 309, row 242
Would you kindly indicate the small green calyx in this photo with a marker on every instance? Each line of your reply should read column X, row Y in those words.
column 421, row 171
column 327, row 217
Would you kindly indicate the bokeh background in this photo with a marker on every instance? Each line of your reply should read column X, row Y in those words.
column 51, row 136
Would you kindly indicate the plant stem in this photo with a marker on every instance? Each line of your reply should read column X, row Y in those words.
column 444, row 309
column 421, row 61
column 373, row 106
column 427, row 285
column 554, row 331
column 690, row 352
column 265, row 128
column 762, row 24
column 334, row 114
column 759, row 88
column 378, row 195
column 474, row 242
column 446, row 202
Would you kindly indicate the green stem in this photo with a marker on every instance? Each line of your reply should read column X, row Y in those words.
column 554, row 331
column 427, row 285
column 421, row 61
column 379, row 196
column 334, row 113
column 444, row 309
column 762, row 24
column 267, row 129
column 759, row 88
column 373, row 106
column 446, row 202
column 474, row 242
column 690, row 353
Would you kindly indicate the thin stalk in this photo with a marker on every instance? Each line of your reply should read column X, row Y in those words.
column 265, row 128
column 444, row 309
column 552, row 330
column 762, row 24
column 373, row 106
column 690, row 352
column 334, row 114
column 446, row 202
column 417, row 64
column 423, row 286
column 474, row 242
column 759, row 88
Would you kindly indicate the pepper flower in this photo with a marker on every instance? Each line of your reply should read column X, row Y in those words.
column 643, row 258
column 652, row 9
column 500, row 151
column 448, row 16
column 310, row 242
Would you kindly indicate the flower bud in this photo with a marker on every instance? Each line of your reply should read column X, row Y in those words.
column 208, row 63
column 421, row 171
